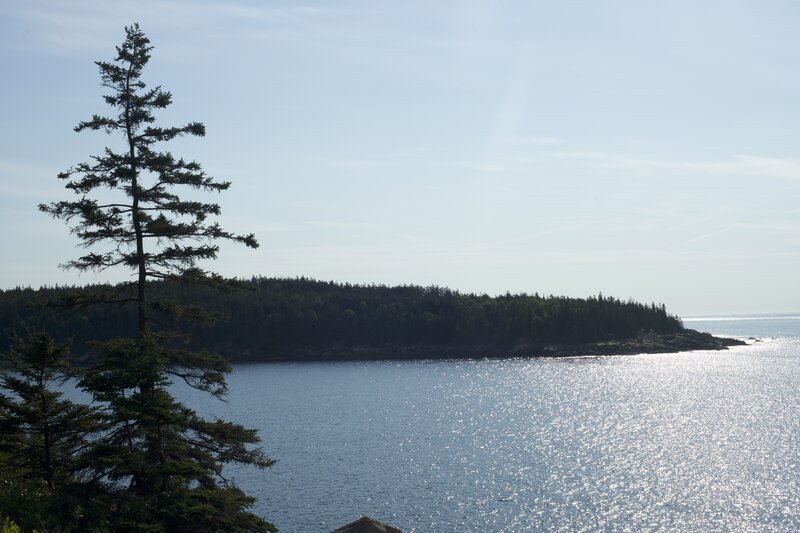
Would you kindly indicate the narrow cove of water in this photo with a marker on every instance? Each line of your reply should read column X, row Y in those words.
column 691, row 441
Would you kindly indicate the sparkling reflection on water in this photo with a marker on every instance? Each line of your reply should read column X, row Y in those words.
column 692, row 441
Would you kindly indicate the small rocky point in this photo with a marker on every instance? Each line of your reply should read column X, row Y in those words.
column 683, row 341
column 366, row 524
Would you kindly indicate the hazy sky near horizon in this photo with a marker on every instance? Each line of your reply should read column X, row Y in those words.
column 640, row 149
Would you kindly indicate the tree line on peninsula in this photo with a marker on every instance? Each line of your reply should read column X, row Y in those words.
column 271, row 317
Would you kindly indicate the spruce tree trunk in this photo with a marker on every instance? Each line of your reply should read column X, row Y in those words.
column 137, row 223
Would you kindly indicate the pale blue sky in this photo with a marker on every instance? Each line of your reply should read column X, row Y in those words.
column 642, row 149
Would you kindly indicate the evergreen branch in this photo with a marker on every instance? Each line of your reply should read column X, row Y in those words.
column 81, row 300
column 167, row 134
column 99, row 262
column 191, row 313
column 97, row 122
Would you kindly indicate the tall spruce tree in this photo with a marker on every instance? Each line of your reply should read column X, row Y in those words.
column 159, row 459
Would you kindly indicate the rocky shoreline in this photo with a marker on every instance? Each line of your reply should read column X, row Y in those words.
column 686, row 340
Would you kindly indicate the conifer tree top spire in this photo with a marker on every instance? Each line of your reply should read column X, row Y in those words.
column 149, row 227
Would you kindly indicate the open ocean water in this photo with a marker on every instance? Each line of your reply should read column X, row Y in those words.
column 698, row 441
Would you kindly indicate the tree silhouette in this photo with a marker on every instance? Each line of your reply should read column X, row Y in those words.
column 161, row 461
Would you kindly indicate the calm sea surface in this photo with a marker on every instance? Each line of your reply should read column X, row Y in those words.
column 681, row 442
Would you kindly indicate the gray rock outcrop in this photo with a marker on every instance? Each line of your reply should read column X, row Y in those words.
column 366, row 524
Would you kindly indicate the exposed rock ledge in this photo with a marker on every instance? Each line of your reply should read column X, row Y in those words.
column 366, row 524
column 683, row 341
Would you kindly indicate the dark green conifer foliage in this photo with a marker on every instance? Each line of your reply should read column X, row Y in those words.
column 43, row 436
column 160, row 460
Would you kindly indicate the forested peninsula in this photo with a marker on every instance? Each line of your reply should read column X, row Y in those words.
column 302, row 319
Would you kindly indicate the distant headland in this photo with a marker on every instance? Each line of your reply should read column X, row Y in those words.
column 301, row 319
column 644, row 343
